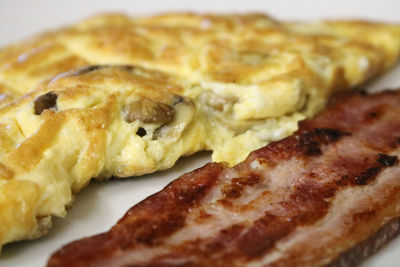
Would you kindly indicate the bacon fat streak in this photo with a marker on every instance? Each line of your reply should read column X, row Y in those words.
column 327, row 195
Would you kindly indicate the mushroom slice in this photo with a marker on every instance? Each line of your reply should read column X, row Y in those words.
column 46, row 101
column 148, row 111
column 184, row 114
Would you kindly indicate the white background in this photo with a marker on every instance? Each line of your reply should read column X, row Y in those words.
column 101, row 204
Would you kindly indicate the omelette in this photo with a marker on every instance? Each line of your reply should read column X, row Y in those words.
column 114, row 96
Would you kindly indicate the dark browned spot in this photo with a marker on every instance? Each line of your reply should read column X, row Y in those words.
column 305, row 142
column 330, row 135
column 309, row 145
column 309, row 142
column 370, row 173
column 46, row 101
column 141, row 132
column 235, row 188
column 387, row 160
column 308, row 202
column 366, row 176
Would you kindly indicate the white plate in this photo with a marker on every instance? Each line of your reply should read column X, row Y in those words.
column 101, row 204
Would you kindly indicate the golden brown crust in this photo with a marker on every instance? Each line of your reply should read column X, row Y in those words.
column 272, row 70
column 231, row 48
column 55, row 139
column 69, row 98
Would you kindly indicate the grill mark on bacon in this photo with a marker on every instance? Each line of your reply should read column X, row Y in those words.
column 305, row 142
column 158, row 216
column 263, row 234
column 333, row 155
column 252, row 241
column 387, row 160
column 184, row 194
column 309, row 142
column 366, row 176
column 237, row 185
column 371, row 172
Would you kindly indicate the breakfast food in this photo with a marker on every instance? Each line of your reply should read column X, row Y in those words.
column 253, row 77
column 85, row 124
column 119, row 96
column 328, row 194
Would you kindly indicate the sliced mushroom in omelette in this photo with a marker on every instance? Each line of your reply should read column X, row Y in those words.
column 96, row 122
column 120, row 96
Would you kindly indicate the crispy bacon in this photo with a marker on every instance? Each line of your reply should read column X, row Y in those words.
column 328, row 194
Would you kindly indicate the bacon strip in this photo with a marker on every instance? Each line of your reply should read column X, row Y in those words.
column 328, row 194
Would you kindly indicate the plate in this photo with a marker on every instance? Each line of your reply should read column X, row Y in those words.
column 101, row 204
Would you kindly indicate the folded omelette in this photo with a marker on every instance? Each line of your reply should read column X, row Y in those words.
column 120, row 96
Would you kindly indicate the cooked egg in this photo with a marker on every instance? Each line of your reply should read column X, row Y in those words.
column 157, row 88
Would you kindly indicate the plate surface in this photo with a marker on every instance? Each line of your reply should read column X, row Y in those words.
column 101, row 204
